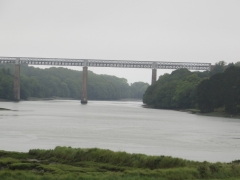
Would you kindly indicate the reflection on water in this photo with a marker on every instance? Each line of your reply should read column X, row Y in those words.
column 119, row 126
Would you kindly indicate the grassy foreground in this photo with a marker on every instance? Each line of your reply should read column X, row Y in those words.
column 71, row 163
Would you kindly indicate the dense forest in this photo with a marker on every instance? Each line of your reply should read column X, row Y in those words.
column 218, row 89
column 66, row 83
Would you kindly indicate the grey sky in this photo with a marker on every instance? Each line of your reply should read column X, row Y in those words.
column 155, row 30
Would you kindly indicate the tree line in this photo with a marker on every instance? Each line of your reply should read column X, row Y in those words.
column 207, row 91
column 66, row 83
column 221, row 90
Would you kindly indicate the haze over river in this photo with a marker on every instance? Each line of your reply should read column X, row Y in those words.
column 119, row 126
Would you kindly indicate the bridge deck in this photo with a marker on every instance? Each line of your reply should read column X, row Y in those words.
column 106, row 63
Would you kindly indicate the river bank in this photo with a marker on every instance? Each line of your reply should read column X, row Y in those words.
column 62, row 98
column 217, row 113
column 76, row 163
column 4, row 109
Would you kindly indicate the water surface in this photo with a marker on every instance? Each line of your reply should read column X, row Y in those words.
column 119, row 126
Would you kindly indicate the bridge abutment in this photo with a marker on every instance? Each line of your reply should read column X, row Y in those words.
column 16, row 89
column 154, row 75
column 84, row 85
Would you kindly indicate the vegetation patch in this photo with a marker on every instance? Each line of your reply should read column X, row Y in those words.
column 63, row 83
column 212, row 93
column 76, row 163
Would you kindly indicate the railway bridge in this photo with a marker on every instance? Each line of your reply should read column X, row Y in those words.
column 85, row 63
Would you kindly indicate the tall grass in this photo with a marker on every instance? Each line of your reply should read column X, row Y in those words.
column 68, row 154
column 85, row 164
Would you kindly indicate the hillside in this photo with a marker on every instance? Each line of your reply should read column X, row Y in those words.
column 66, row 83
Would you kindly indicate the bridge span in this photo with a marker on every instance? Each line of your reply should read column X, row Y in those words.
column 85, row 63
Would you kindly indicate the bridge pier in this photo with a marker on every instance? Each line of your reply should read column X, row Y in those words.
column 84, row 85
column 154, row 75
column 16, row 89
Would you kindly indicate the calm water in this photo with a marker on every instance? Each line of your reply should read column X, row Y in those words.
column 119, row 126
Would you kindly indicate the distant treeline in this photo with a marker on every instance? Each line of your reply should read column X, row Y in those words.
column 207, row 91
column 66, row 83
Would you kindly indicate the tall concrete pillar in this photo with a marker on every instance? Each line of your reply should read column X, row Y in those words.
column 154, row 75
column 17, row 82
column 84, row 85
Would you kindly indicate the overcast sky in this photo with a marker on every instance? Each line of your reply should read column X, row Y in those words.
column 154, row 30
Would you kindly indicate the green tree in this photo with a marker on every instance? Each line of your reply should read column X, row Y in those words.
column 137, row 89
column 204, row 96
column 220, row 90
column 232, row 89
column 175, row 90
column 219, row 67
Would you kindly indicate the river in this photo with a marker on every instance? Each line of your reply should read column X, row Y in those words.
column 119, row 126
